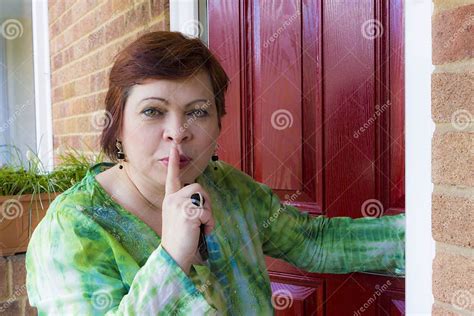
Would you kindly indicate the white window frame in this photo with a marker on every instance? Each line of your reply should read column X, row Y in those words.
column 42, row 79
column 420, row 246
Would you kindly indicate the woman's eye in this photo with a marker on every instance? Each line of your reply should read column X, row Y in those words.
column 199, row 113
column 151, row 112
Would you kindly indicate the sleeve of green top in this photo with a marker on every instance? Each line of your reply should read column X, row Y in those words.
column 333, row 245
column 72, row 270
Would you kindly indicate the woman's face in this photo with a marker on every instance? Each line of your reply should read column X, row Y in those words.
column 161, row 112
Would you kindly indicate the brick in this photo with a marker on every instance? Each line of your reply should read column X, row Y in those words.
column 82, row 86
column 57, row 61
column 80, row 105
column 59, row 110
column 57, row 94
column 115, row 29
column 18, row 275
column 89, row 124
column 158, row 7
column 96, row 39
column 451, row 93
column 79, row 142
column 91, row 15
column 453, row 279
column 84, row 26
column 63, row 22
column 56, row 9
column 58, row 128
column 98, row 81
column 450, row 4
column 56, row 140
column 453, row 220
column 441, row 311
column 68, row 55
column 453, row 159
column 69, row 90
column 453, row 31
column 10, row 308
column 80, row 48
column 137, row 16
column 3, row 278
column 59, row 43
column 83, row 7
column 159, row 25
column 119, row 6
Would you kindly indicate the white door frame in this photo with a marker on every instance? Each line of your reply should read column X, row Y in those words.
column 419, row 128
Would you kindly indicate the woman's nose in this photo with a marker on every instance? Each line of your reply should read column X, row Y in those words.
column 177, row 131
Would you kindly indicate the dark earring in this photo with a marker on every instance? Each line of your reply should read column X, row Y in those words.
column 215, row 158
column 120, row 154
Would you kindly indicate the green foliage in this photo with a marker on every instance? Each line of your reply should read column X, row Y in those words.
column 30, row 176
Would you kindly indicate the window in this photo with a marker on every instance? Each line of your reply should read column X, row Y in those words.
column 17, row 111
column 25, row 110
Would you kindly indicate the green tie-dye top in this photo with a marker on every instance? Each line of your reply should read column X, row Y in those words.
column 90, row 256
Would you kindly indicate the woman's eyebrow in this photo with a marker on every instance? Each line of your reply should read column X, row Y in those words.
column 167, row 103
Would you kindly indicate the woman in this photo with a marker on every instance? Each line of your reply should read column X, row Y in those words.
column 125, row 239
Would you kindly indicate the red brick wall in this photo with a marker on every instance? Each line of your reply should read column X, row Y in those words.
column 453, row 157
column 13, row 295
column 84, row 37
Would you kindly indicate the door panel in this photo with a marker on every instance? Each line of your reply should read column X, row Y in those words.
column 315, row 111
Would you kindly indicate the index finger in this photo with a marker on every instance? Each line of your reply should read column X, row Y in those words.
column 173, row 184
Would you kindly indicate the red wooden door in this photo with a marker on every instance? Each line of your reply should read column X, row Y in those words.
column 315, row 110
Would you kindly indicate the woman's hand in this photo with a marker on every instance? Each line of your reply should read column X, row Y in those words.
column 181, row 219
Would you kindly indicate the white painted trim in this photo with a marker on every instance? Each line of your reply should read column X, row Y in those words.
column 419, row 128
column 184, row 17
column 42, row 75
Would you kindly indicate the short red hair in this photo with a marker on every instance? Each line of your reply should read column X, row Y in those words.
column 158, row 55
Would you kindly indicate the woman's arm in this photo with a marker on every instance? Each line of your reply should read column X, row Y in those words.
column 72, row 270
column 332, row 245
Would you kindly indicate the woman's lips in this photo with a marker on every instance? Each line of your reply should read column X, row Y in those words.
column 182, row 163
